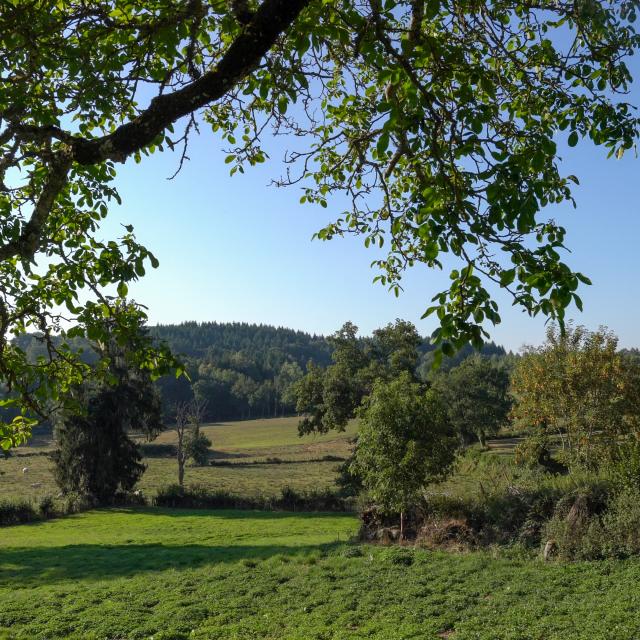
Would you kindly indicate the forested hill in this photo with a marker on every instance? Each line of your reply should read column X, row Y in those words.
column 243, row 370
column 246, row 370
column 202, row 339
column 199, row 339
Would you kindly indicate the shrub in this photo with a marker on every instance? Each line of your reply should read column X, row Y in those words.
column 46, row 507
column 76, row 502
column 196, row 448
column 621, row 524
column 588, row 527
column 625, row 466
column 16, row 512
column 200, row 497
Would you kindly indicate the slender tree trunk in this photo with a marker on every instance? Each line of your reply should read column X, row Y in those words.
column 401, row 526
column 180, row 459
column 181, row 470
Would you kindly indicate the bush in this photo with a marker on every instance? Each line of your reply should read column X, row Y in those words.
column 17, row 512
column 22, row 511
column 571, row 529
column 625, row 466
column 77, row 502
column 46, row 507
column 492, row 501
column 588, row 527
column 196, row 448
column 13, row 512
column 200, row 497
column 621, row 525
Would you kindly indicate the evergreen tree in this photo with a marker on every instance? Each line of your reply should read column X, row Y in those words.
column 95, row 456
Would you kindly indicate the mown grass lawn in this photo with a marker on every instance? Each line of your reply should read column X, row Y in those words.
column 162, row 574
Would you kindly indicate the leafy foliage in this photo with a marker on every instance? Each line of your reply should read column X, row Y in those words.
column 404, row 442
column 196, row 448
column 476, row 396
column 579, row 388
column 328, row 399
column 438, row 119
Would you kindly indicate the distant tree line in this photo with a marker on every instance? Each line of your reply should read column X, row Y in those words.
column 238, row 370
column 241, row 371
column 244, row 371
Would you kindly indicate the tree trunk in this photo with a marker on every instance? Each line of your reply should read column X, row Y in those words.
column 401, row 526
column 180, row 460
column 180, row 471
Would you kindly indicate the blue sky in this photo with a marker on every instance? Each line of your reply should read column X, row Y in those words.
column 237, row 249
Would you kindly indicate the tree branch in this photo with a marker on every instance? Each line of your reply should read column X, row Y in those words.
column 241, row 58
column 245, row 53
column 27, row 243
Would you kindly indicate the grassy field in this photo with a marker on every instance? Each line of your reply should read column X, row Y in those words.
column 177, row 575
column 255, row 457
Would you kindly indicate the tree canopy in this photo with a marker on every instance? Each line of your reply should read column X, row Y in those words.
column 476, row 396
column 438, row 118
column 327, row 399
column 578, row 388
column 405, row 441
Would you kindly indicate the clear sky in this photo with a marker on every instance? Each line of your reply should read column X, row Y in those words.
column 237, row 249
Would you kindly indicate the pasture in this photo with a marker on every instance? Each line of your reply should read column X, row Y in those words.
column 162, row 574
column 158, row 574
column 250, row 458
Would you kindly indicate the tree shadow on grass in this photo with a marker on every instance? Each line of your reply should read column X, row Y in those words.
column 26, row 567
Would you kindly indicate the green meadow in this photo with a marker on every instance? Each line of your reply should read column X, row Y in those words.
column 176, row 575
column 250, row 458
column 161, row 574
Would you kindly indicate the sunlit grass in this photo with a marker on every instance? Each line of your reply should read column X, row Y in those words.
column 176, row 575
column 243, row 443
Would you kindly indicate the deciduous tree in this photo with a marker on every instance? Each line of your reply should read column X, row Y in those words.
column 404, row 441
column 476, row 394
column 579, row 389
column 439, row 119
